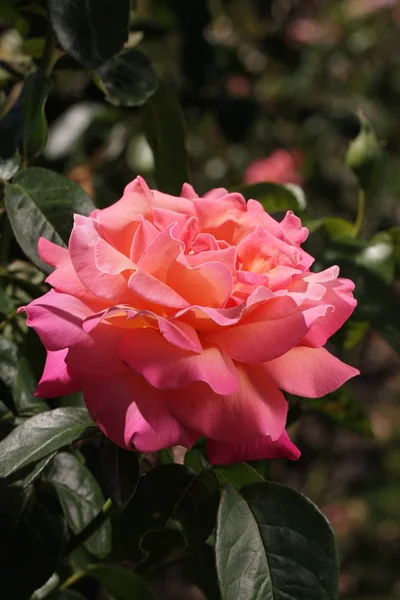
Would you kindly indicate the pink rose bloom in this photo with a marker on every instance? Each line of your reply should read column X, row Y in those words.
column 281, row 166
column 181, row 317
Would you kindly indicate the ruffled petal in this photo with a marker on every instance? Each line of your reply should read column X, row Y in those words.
column 52, row 254
column 57, row 379
column 257, row 408
column 308, row 372
column 168, row 367
column 220, row 453
column 131, row 412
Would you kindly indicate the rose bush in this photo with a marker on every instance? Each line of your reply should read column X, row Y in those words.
column 181, row 317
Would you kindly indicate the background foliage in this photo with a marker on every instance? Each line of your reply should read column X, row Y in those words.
column 93, row 93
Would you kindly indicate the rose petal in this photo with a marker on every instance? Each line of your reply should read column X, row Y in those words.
column 52, row 254
column 168, row 367
column 256, row 408
column 56, row 379
column 220, row 453
column 308, row 372
column 130, row 411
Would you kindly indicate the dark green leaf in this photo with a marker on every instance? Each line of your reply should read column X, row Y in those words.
column 41, row 203
column 120, row 472
column 355, row 332
column 238, row 475
column 121, row 583
column 36, row 90
column 343, row 408
column 166, row 457
column 273, row 543
column 273, row 196
column 40, row 436
column 195, row 461
column 24, row 125
column 66, row 595
column 166, row 496
column 85, row 31
column 81, row 499
column 128, row 78
column 165, row 132
column 8, row 360
column 24, row 386
column 32, row 473
column 31, row 548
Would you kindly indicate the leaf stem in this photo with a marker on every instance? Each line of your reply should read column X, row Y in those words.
column 360, row 213
column 50, row 54
column 87, row 532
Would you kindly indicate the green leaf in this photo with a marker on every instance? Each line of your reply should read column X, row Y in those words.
column 24, row 125
column 42, row 435
column 66, row 595
column 165, row 131
column 195, row 461
column 167, row 496
column 8, row 360
column 273, row 543
column 81, row 499
column 344, row 409
column 273, row 196
column 121, row 583
column 34, row 46
column 91, row 31
column 238, row 475
column 120, row 471
column 355, row 332
column 41, row 203
column 24, row 386
column 33, row 543
column 9, row 166
column 127, row 79
column 36, row 90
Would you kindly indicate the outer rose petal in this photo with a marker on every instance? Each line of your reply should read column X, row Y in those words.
column 338, row 294
column 130, row 411
column 308, row 372
column 56, row 379
column 257, row 408
column 57, row 319
column 168, row 367
column 51, row 253
column 220, row 453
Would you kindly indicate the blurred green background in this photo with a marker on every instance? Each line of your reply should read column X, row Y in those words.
column 253, row 77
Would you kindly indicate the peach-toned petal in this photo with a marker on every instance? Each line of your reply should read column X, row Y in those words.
column 220, row 453
column 308, row 372
column 155, row 291
column 129, row 411
column 256, row 408
column 168, row 367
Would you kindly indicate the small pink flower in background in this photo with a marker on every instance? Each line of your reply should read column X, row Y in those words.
column 181, row 317
column 282, row 166
column 312, row 31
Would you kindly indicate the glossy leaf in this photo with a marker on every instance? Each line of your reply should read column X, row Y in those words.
column 238, row 475
column 66, row 595
column 127, row 79
column 195, row 461
column 32, row 547
column 40, row 436
column 273, row 196
column 273, row 544
column 165, row 496
column 81, row 499
column 165, row 131
column 121, row 583
column 24, row 126
column 9, row 166
column 24, row 386
column 120, row 472
column 8, row 360
column 41, row 203
column 35, row 93
column 85, row 32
